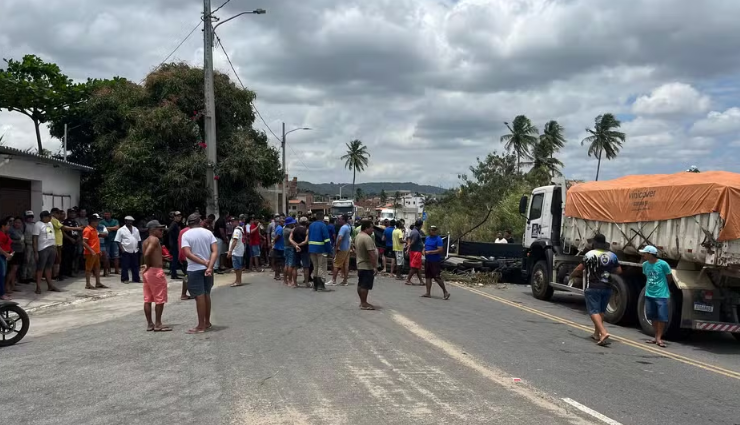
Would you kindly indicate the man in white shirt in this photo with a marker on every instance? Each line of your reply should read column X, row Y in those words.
column 45, row 247
column 236, row 251
column 128, row 238
column 201, row 249
column 500, row 238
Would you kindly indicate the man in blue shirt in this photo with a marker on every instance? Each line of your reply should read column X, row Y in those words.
column 278, row 247
column 341, row 252
column 319, row 245
column 657, row 292
column 330, row 229
column 388, row 254
column 433, row 247
column 598, row 265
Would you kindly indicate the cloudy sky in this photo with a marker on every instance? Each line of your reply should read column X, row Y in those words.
column 428, row 84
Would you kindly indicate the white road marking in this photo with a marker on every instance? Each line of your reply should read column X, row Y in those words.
column 592, row 412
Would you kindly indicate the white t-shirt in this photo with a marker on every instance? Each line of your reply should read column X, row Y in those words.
column 239, row 248
column 45, row 232
column 199, row 240
column 501, row 240
column 129, row 240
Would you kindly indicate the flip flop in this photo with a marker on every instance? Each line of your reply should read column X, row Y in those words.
column 163, row 329
column 425, row 296
column 101, row 286
column 367, row 308
column 651, row 341
column 447, row 297
column 150, row 328
column 234, row 285
column 660, row 344
column 54, row 289
column 194, row 331
column 604, row 341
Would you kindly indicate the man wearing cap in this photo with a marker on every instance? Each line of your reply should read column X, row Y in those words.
column 92, row 244
column 598, row 265
column 236, row 251
column 201, row 249
column 28, row 272
column 433, row 247
column 341, row 252
column 173, row 232
column 657, row 292
column 45, row 248
column 111, row 247
column 330, row 228
column 128, row 238
column 155, row 280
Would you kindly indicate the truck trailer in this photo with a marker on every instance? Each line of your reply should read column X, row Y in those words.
column 692, row 218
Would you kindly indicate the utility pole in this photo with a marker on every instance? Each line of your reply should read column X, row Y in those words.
column 285, row 177
column 209, row 118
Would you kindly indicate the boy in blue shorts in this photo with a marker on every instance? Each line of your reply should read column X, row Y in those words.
column 657, row 293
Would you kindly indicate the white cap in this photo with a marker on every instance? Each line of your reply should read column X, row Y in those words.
column 128, row 218
column 326, row 218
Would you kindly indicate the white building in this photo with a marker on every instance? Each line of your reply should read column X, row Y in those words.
column 29, row 181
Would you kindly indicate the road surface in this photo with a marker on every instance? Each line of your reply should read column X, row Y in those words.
column 292, row 356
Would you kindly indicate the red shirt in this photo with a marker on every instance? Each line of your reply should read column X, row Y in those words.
column 254, row 235
column 180, row 253
column 5, row 242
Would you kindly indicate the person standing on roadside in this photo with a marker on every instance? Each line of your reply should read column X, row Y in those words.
column 220, row 231
column 70, row 259
column 657, row 291
column 500, row 238
column 270, row 236
column 278, row 247
column 289, row 251
column 598, row 266
column 182, row 263
column 298, row 239
column 173, row 233
column 414, row 247
column 128, row 238
column 433, row 248
column 18, row 247
column 255, row 240
column 114, row 254
column 201, row 249
column 6, row 255
column 236, row 251
column 508, row 237
column 398, row 248
column 56, row 223
column 91, row 243
column 389, row 255
column 28, row 272
column 319, row 245
column 155, row 280
column 367, row 260
column 341, row 251
column 45, row 249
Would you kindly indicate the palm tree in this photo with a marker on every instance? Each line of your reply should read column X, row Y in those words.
column 356, row 159
column 604, row 139
column 396, row 197
column 523, row 136
column 552, row 137
column 359, row 195
column 543, row 162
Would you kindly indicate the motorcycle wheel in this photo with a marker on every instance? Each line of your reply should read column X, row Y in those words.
column 18, row 322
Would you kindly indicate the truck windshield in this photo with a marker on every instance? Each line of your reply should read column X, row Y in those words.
column 337, row 211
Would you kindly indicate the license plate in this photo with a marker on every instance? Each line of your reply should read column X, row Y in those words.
column 707, row 308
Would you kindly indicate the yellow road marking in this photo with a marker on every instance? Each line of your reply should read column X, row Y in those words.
column 638, row 345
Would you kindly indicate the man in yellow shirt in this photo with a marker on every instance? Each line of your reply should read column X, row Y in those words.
column 398, row 247
column 57, row 216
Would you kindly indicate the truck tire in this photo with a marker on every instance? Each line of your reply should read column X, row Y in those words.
column 622, row 305
column 673, row 327
column 737, row 336
column 540, row 281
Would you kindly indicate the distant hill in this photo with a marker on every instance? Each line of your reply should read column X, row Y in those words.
column 368, row 188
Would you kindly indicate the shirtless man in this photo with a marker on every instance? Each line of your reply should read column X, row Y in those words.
column 155, row 281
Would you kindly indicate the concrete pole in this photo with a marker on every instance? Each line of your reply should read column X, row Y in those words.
column 285, row 177
column 209, row 120
column 65, row 141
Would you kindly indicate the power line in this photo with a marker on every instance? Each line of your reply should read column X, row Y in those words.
column 219, row 8
column 176, row 48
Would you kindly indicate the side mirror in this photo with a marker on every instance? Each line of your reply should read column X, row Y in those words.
column 523, row 203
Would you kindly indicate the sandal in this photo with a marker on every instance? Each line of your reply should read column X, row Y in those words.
column 162, row 329
column 660, row 344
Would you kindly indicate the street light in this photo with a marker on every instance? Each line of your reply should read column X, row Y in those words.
column 285, row 167
column 209, row 118
column 340, row 190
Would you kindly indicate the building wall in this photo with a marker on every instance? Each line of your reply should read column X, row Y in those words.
column 50, row 186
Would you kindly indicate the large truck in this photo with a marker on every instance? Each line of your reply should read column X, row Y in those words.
column 692, row 218
column 343, row 206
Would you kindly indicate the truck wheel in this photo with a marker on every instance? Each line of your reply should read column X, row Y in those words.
column 737, row 336
column 673, row 327
column 540, row 281
column 621, row 307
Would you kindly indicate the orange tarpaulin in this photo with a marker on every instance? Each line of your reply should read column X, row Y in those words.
column 660, row 197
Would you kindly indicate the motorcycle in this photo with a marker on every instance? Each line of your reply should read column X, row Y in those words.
column 14, row 323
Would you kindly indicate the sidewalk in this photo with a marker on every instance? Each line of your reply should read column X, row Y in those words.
column 74, row 292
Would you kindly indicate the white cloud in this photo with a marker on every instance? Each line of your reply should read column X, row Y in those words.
column 672, row 98
column 718, row 123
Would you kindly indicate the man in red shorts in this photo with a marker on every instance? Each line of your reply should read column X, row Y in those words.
column 155, row 281
column 414, row 247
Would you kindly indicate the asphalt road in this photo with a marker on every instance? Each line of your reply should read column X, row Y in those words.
column 292, row 356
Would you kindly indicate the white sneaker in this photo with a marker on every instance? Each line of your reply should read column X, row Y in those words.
column 332, row 283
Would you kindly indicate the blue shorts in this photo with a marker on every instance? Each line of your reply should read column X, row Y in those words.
column 112, row 249
column 237, row 262
column 255, row 250
column 597, row 300
column 290, row 257
column 199, row 283
column 656, row 309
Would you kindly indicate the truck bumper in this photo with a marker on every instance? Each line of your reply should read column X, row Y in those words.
column 701, row 325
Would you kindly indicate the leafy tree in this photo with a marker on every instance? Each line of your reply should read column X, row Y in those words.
column 522, row 137
column 543, row 164
column 359, row 195
column 356, row 159
column 36, row 89
column 604, row 139
column 383, row 197
column 552, row 137
column 396, row 204
column 145, row 143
